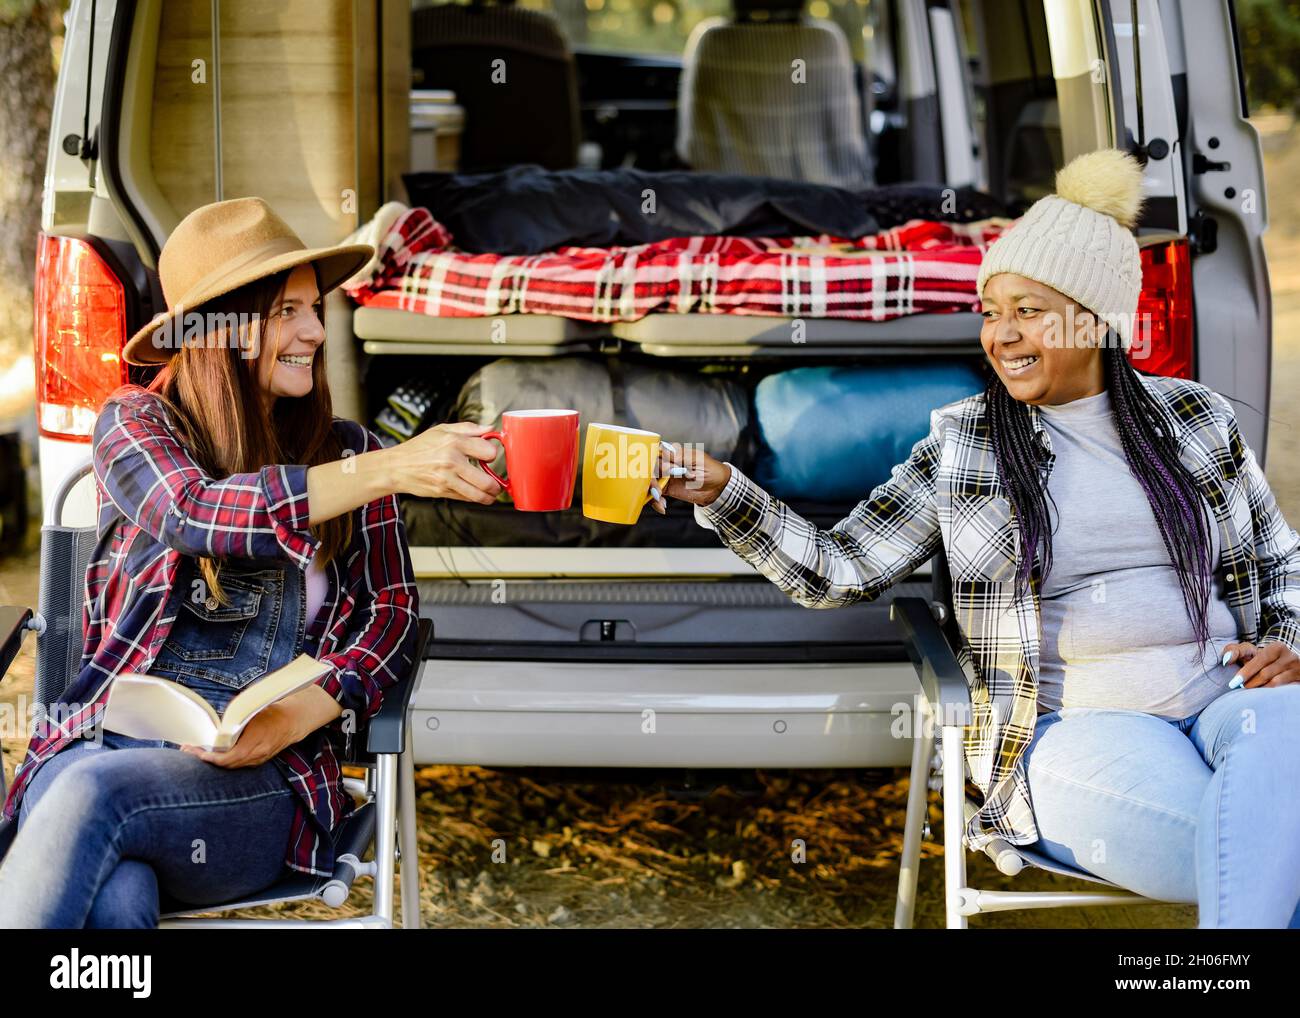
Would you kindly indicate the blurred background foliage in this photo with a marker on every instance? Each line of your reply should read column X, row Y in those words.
column 1270, row 52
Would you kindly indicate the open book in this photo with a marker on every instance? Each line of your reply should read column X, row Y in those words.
column 151, row 707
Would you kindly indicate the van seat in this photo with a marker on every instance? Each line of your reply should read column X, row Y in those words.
column 528, row 116
column 668, row 330
column 389, row 330
column 738, row 111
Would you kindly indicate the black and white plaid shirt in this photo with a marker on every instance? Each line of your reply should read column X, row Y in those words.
column 948, row 496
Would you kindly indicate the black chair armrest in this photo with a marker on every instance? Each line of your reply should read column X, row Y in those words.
column 386, row 732
column 13, row 625
column 8, row 828
column 942, row 680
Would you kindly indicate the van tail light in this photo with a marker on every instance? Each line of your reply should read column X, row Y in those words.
column 80, row 329
column 1162, row 338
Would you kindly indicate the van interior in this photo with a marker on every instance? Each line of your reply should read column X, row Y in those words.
column 329, row 109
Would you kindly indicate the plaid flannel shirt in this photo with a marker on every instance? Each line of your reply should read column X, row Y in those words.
column 947, row 496
column 155, row 505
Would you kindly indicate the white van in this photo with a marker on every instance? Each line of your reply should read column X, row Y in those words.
column 549, row 655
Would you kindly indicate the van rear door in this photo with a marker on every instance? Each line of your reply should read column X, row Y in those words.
column 1222, row 165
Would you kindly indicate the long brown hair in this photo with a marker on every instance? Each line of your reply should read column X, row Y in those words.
column 212, row 391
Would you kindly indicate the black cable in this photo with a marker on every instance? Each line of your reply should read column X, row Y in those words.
column 86, row 152
column 1027, row 28
column 1137, row 75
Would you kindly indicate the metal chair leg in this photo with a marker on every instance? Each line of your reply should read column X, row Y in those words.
column 407, row 821
column 954, row 826
column 385, row 835
column 909, row 864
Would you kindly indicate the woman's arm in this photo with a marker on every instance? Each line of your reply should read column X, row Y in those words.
column 380, row 648
column 1277, row 546
column 152, row 479
column 887, row 536
column 441, row 462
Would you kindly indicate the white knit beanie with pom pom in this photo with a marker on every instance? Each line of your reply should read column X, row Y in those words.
column 1080, row 240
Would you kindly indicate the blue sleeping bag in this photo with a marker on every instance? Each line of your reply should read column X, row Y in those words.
column 831, row 434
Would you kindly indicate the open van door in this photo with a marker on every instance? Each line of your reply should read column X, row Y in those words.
column 1222, row 166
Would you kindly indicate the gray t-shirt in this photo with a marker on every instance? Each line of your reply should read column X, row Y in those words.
column 1115, row 630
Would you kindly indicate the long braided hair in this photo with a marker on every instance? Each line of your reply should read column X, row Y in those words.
column 1151, row 451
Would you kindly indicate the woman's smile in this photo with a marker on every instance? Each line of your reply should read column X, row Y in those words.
column 1017, row 366
column 301, row 362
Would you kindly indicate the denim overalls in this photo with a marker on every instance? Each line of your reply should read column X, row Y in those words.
column 216, row 650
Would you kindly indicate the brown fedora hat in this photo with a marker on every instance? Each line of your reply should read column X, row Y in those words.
column 220, row 247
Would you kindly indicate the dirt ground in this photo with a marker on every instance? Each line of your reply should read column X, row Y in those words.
column 623, row 854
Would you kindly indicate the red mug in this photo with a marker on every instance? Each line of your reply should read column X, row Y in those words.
column 541, row 458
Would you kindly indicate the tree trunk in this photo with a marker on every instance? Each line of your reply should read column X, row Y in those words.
column 26, row 101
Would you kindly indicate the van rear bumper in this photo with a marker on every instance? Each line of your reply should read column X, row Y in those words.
column 570, row 714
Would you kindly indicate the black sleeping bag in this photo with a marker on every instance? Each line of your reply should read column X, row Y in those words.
column 528, row 210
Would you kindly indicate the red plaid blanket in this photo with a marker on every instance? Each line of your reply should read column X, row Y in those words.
column 921, row 267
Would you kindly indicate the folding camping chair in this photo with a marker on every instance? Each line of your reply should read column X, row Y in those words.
column 385, row 816
column 944, row 703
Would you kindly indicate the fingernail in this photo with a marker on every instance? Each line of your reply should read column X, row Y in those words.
column 1227, row 656
column 678, row 472
column 1237, row 681
column 655, row 492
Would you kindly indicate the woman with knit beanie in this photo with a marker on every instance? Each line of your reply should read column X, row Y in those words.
column 1127, row 591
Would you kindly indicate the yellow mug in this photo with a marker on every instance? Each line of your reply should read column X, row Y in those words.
column 619, row 466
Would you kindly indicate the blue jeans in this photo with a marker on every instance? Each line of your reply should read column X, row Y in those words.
column 102, row 828
column 1205, row 810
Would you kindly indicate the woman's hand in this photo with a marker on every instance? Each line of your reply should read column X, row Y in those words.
column 444, row 462
column 704, row 479
column 1274, row 664
column 263, row 737
column 279, row 725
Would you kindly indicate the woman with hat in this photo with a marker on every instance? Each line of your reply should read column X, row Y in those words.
column 1127, row 591
column 240, row 524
